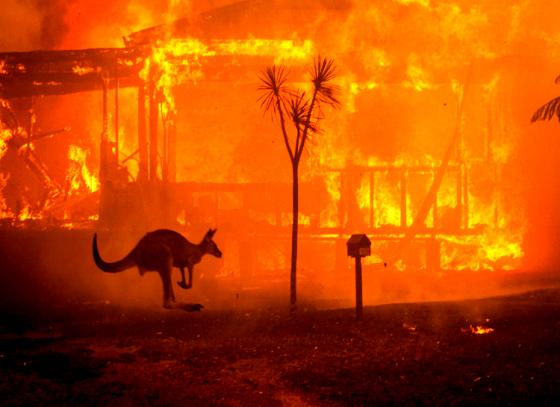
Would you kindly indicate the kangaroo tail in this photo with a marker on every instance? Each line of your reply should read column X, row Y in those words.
column 114, row 267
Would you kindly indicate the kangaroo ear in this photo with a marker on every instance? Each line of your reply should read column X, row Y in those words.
column 210, row 233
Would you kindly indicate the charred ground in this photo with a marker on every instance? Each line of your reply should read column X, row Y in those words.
column 401, row 354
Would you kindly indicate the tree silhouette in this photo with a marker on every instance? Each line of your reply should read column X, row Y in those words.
column 549, row 109
column 304, row 112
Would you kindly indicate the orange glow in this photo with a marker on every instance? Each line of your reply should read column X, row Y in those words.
column 5, row 135
column 480, row 330
column 79, row 176
column 179, row 61
column 417, row 78
column 80, row 70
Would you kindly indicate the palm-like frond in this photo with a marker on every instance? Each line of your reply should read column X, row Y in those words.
column 273, row 85
column 322, row 73
column 299, row 106
column 547, row 111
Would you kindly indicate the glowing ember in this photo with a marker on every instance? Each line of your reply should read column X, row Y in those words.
column 5, row 135
column 4, row 211
column 82, row 70
column 27, row 213
column 480, row 330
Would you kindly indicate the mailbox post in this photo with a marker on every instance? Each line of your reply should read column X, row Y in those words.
column 359, row 246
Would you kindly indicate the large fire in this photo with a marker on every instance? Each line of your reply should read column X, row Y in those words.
column 418, row 78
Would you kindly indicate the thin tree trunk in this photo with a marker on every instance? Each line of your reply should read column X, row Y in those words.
column 295, row 212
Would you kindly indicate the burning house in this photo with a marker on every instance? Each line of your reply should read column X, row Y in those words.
column 165, row 130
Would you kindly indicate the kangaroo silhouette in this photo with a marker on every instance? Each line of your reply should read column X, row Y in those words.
column 160, row 251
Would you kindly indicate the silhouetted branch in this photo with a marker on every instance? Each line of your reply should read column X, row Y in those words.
column 273, row 80
column 274, row 99
column 547, row 111
column 322, row 72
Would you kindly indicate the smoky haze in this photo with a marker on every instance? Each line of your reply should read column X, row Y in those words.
column 402, row 68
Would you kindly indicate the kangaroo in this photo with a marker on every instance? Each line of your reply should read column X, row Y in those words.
column 160, row 251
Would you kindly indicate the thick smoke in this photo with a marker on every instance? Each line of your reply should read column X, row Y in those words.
column 32, row 24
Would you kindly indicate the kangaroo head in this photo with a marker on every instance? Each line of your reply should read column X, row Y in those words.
column 209, row 246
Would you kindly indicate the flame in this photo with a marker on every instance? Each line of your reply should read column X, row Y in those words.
column 83, row 70
column 417, row 77
column 27, row 213
column 495, row 241
column 4, row 210
column 481, row 252
column 282, row 50
column 176, row 61
column 480, row 330
column 5, row 135
column 79, row 177
column 329, row 215
column 423, row 3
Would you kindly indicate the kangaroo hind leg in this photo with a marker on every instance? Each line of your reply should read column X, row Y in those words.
column 165, row 274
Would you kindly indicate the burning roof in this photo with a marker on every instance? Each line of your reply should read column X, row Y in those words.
column 25, row 74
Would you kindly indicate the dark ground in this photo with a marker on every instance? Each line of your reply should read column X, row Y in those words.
column 400, row 354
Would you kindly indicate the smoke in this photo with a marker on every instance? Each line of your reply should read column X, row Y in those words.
column 32, row 24
column 69, row 24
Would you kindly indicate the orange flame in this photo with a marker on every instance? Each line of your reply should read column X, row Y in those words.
column 80, row 177
column 480, row 330
column 177, row 61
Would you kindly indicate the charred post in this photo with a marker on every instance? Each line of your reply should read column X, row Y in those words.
column 153, row 112
column 142, row 134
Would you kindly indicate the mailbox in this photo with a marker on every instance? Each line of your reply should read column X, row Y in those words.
column 358, row 246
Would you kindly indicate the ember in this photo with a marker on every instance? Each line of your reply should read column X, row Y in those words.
column 480, row 330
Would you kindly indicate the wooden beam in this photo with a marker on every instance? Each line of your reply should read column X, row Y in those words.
column 142, row 136
column 153, row 103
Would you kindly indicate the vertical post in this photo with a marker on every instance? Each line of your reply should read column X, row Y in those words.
column 403, row 199
column 340, row 213
column 172, row 148
column 142, row 136
column 164, row 153
column 103, row 173
column 459, row 198
column 153, row 103
column 371, row 199
column 359, row 302
column 435, row 208
column 465, row 195
column 116, row 117
column 30, row 124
